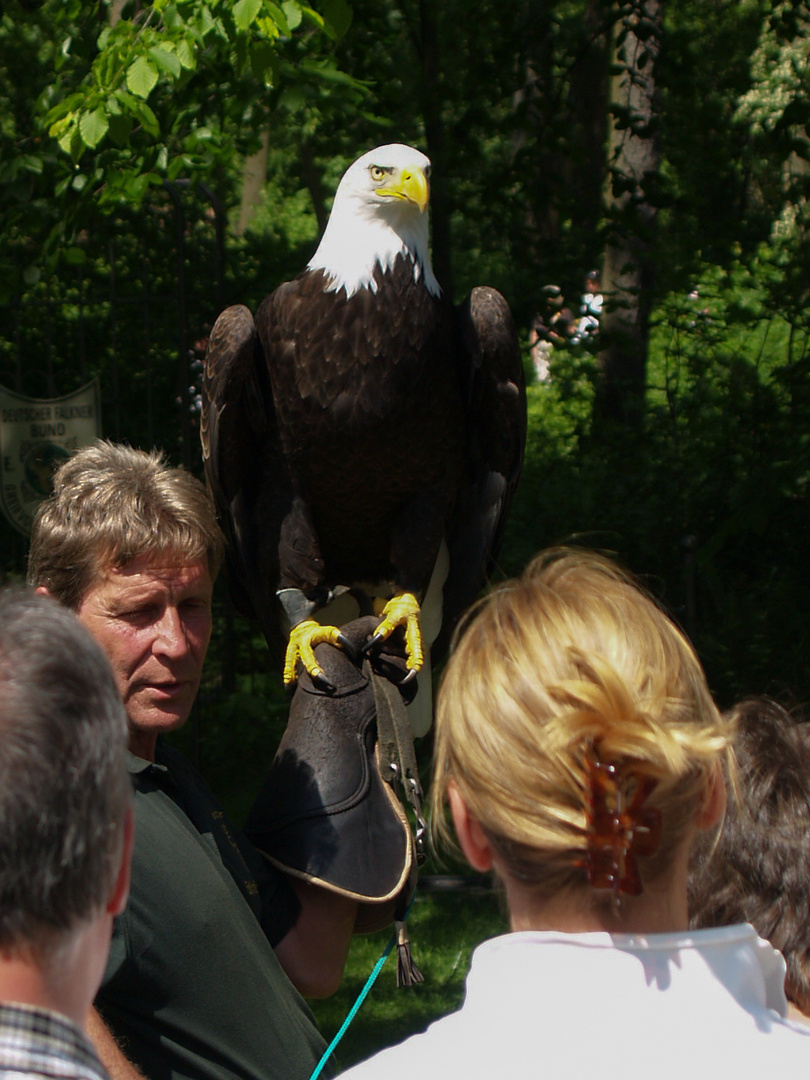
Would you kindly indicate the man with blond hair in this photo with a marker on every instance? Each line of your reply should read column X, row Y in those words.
column 205, row 962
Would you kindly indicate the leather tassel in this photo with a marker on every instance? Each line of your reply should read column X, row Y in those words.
column 408, row 974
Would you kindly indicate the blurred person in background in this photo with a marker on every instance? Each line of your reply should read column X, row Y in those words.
column 758, row 870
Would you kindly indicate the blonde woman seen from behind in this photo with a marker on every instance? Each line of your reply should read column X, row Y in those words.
column 581, row 754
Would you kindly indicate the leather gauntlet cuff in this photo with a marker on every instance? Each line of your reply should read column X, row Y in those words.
column 328, row 811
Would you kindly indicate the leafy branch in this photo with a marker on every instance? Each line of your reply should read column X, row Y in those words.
column 134, row 87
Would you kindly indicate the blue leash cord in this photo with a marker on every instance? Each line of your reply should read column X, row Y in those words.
column 361, row 997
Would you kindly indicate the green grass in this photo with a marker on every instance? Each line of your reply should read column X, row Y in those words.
column 444, row 929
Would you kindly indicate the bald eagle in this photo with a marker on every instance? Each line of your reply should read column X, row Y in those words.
column 361, row 435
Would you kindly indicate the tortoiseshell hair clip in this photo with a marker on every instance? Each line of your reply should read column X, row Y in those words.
column 620, row 827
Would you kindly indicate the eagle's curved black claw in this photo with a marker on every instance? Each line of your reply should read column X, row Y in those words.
column 372, row 644
column 348, row 647
column 411, row 675
column 322, row 683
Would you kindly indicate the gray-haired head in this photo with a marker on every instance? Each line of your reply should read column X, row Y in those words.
column 64, row 786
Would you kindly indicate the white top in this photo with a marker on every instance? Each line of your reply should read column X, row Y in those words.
column 710, row 1003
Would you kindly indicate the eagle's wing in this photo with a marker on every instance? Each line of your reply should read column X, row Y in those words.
column 492, row 372
column 239, row 445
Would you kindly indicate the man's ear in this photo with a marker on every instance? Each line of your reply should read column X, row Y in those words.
column 713, row 807
column 471, row 836
column 42, row 590
column 120, row 890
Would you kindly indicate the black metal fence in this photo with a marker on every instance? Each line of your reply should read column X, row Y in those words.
column 130, row 302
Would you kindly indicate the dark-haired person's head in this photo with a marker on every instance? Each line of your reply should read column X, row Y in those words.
column 758, row 871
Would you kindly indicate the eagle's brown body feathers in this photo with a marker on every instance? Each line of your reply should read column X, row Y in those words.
column 347, row 434
column 368, row 405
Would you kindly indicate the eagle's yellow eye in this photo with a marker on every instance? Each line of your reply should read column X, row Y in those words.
column 377, row 172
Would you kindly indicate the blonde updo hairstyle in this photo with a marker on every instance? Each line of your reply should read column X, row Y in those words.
column 568, row 661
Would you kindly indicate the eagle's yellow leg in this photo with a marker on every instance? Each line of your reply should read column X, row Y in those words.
column 303, row 639
column 403, row 610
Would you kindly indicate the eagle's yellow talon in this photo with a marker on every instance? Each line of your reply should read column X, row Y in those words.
column 303, row 639
column 413, row 643
column 403, row 610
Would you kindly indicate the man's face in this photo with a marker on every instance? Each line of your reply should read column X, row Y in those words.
column 153, row 619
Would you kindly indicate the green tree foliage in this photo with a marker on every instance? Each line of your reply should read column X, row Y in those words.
column 775, row 111
column 178, row 83
column 101, row 106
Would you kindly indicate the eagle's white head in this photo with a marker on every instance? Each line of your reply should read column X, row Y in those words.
column 380, row 211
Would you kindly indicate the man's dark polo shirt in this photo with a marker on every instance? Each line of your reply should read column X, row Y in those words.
column 193, row 988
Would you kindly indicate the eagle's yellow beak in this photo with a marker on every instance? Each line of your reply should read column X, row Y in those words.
column 411, row 185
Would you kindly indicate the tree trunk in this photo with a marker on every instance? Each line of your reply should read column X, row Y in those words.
column 254, row 174
column 633, row 162
column 431, row 108
column 589, row 106
column 114, row 11
column 313, row 180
